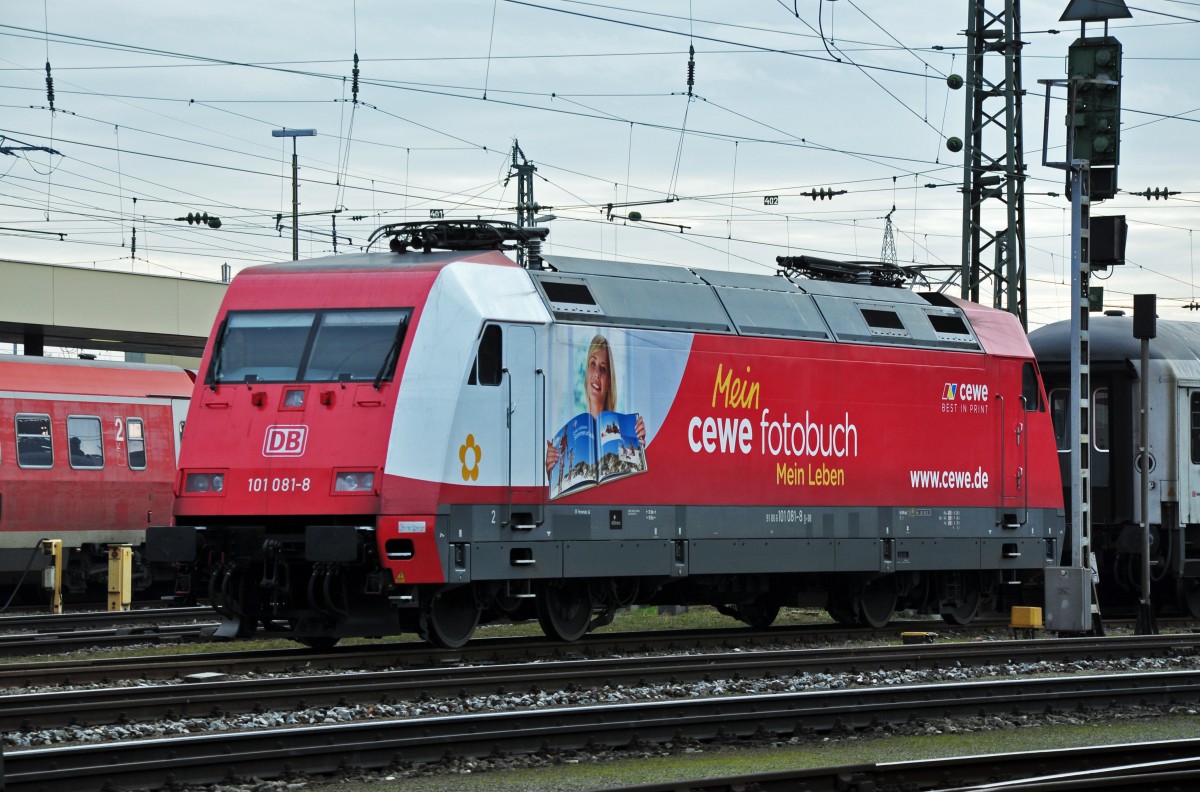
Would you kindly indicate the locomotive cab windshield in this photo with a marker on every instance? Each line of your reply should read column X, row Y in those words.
column 309, row 346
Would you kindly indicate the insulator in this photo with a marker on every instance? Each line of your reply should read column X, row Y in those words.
column 534, row 251
column 691, row 80
column 49, row 86
column 354, row 79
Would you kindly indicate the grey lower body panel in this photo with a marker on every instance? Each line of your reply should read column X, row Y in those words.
column 675, row 541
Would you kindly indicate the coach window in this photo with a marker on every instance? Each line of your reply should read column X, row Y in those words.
column 35, row 449
column 1030, row 393
column 83, row 439
column 136, row 443
column 1100, row 434
column 487, row 368
column 1059, row 401
column 1196, row 428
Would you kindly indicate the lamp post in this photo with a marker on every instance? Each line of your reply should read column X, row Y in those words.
column 293, row 134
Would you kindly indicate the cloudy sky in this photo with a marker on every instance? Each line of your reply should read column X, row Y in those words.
column 161, row 109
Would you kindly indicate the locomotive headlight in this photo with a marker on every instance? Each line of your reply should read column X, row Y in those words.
column 204, row 483
column 354, row 481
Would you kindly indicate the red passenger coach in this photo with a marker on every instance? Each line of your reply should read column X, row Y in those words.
column 426, row 439
column 87, row 455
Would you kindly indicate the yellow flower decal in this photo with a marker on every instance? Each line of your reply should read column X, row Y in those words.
column 470, row 472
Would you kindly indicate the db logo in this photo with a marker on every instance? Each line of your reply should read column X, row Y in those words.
column 285, row 440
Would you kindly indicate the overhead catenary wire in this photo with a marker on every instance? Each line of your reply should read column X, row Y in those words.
column 494, row 90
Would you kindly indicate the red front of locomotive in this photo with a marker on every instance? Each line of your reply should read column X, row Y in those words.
column 287, row 438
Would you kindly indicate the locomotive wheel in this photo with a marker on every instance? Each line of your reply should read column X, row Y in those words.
column 964, row 610
column 564, row 611
column 1189, row 597
column 876, row 601
column 840, row 605
column 759, row 614
column 450, row 619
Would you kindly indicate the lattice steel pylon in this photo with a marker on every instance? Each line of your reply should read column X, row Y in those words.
column 993, row 111
column 523, row 169
column 888, row 254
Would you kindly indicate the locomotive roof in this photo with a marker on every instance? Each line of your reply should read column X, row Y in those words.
column 1111, row 340
column 669, row 297
column 619, row 293
column 379, row 261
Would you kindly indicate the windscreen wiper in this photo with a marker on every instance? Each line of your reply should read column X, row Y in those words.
column 389, row 360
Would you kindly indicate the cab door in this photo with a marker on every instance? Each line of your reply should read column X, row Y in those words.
column 1014, row 445
column 524, row 393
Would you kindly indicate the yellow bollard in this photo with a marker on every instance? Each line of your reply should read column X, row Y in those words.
column 52, row 573
column 1024, row 621
column 120, row 576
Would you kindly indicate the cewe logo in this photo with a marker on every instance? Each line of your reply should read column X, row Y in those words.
column 285, row 440
column 965, row 391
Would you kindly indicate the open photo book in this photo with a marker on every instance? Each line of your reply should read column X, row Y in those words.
column 592, row 451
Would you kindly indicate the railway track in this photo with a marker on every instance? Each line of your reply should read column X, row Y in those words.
column 270, row 753
column 204, row 692
column 818, row 641
column 27, row 622
column 55, row 633
column 47, row 633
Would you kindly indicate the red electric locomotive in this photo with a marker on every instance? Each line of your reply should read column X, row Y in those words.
column 423, row 439
column 87, row 455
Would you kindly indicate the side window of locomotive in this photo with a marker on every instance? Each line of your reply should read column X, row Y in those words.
column 1100, row 425
column 488, row 366
column 83, row 441
column 1059, row 402
column 136, row 443
column 1030, row 392
column 35, row 449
